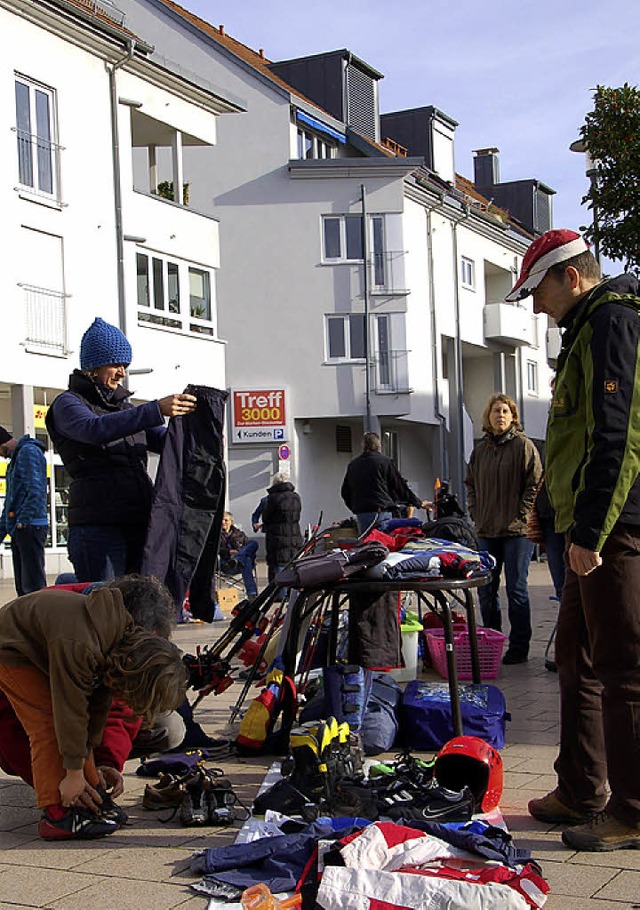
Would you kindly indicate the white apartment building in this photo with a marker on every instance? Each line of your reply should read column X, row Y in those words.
column 401, row 327
column 95, row 135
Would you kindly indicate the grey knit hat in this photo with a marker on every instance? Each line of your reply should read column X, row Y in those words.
column 103, row 344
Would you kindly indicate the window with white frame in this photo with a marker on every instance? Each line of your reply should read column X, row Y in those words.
column 342, row 242
column 345, row 337
column 467, row 272
column 532, row 377
column 342, row 238
column 311, row 145
column 38, row 165
column 174, row 294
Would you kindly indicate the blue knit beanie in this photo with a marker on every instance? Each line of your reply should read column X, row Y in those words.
column 103, row 344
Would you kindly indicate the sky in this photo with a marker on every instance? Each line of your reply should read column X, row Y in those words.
column 515, row 75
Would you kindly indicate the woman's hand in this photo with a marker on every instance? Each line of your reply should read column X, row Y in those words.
column 177, row 405
column 73, row 784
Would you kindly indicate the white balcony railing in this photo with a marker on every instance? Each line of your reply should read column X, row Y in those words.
column 391, row 372
column 386, row 273
column 38, row 165
column 45, row 320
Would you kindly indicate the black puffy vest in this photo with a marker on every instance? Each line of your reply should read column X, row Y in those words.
column 109, row 483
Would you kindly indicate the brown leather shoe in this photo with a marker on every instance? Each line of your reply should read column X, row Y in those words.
column 551, row 810
column 601, row 834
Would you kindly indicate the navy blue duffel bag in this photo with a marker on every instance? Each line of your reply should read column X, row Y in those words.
column 425, row 715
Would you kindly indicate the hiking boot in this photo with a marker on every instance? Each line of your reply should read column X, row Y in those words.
column 110, row 810
column 166, row 794
column 353, row 798
column 77, row 823
column 602, row 833
column 193, row 808
column 551, row 810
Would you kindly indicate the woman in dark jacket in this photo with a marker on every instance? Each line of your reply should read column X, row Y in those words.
column 103, row 440
column 503, row 475
column 281, row 524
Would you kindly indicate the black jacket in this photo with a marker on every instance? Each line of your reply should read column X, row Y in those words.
column 281, row 523
column 373, row 483
column 186, row 518
column 103, row 444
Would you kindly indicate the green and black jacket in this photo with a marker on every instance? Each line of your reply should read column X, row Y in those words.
column 593, row 434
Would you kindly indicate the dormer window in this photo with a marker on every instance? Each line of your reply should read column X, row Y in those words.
column 311, row 145
column 315, row 140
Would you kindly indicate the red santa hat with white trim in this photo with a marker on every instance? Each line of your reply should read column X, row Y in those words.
column 549, row 249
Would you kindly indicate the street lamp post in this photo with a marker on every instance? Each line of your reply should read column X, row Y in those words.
column 591, row 172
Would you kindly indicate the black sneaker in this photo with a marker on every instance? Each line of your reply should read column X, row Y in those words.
column 283, row 797
column 76, row 823
column 513, row 656
column 110, row 810
column 434, row 804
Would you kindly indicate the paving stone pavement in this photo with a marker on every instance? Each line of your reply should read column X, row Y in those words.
column 145, row 866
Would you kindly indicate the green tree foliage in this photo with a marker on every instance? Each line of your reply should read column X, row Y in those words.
column 611, row 133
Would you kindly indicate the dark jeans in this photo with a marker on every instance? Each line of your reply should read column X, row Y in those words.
column 554, row 544
column 246, row 559
column 514, row 554
column 27, row 551
column 103, row 552
column 598, row 658
column 366, row 519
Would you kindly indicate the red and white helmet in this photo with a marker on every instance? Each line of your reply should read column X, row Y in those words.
column 470, row 761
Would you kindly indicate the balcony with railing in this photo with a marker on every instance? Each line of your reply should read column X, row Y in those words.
column 386, row 273
column 391, row 373
column 45, row 320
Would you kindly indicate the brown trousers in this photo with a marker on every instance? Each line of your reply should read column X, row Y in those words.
column 29, row 692
column 598, row 658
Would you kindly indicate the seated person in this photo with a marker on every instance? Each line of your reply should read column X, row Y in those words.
column 238, row 554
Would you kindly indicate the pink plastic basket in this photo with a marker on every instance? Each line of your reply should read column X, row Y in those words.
column 490, row 648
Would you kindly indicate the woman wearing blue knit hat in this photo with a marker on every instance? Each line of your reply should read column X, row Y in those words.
column 103, row 441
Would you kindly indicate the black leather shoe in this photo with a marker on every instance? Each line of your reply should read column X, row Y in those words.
column 515, row 657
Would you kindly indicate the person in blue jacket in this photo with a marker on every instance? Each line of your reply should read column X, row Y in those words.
column 103, row 440
column 24, row 515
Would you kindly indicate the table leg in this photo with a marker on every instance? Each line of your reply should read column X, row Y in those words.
column 454, row 694
column 473, row 637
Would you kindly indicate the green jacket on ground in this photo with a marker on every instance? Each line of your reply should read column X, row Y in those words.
column 593, row 434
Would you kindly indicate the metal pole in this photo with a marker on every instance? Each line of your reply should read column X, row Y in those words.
column 365, row 289
column 117, row 183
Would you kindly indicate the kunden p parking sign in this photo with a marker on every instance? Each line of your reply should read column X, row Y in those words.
column 258, row 415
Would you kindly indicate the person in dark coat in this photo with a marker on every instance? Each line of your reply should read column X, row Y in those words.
column 281, row 524
column 373, row 487
column 103, row 440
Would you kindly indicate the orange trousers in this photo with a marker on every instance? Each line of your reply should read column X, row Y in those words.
column 29, row 692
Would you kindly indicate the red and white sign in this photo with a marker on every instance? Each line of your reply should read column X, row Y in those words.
column 258, row 415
